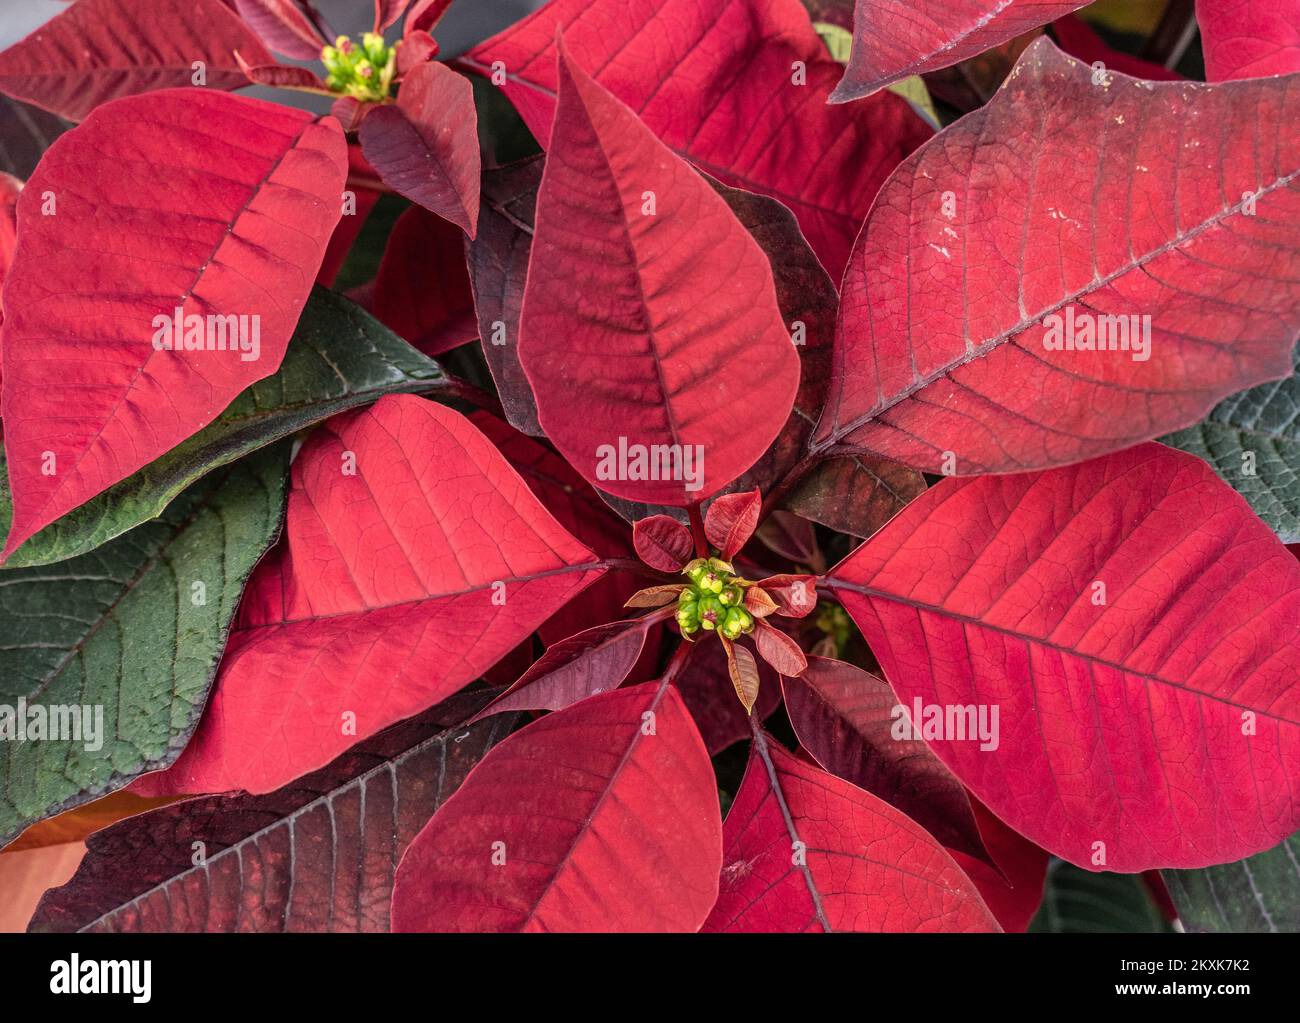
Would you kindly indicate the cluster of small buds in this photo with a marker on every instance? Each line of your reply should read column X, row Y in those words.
column 713, row 600
column 364, row 72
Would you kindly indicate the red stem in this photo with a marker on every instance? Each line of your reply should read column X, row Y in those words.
column 697, row 531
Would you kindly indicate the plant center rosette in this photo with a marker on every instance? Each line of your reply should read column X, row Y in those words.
column 716, row 599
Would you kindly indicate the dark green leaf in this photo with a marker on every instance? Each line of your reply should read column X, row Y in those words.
column 1259, row 893
column 129, row 634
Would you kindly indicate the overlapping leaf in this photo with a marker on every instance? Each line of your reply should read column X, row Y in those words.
column 99, row 50
column 675, row 343
column 221, row 209
column 1252, row 440
column 1162, row 215
column 846, row 718
column 339, row 358
column 426, row 144
column 1134, row 629
column 806, row 851
column 622, row 834
column 414, row 558
column 739, row 89
column 128, row 635
column 317, row 856
column 894, row 39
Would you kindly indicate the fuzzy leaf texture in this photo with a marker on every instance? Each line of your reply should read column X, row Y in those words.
column 134, row 629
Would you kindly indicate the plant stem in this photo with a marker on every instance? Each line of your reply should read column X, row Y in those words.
column 697, row 531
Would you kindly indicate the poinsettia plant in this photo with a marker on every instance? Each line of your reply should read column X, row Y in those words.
column 642, row 473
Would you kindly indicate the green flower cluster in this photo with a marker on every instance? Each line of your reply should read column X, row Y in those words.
column 714, row 600
column 364, row 72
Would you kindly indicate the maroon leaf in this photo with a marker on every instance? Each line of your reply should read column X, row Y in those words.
column 795, row 595
column 622, row 833
column 99, row 50
column 731, row 521
column 594, row 661
column 743, row 670
column 426, row 144
column 281, row 76
column 778, row 649
column 893, row 39
column 1168, row 200
column 422, row 291
column 317, row 855
column 856, row 494
column 387, row 12
column 232, row 220
column 284, row 26
column 739, row 89
column 663, row 543
column 1079, row 39
column 846, row 718
column 417, row 48
column 805, row 851
column 706, row 686
column 696, row 370
column 425, row 14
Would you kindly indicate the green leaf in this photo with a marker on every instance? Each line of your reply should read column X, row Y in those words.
column 1252, row 440
column 1078, row 901
column 1259, row 893
column 340, row 357
column 134, row 632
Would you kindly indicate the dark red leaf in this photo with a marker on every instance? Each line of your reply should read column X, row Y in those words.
column 231, row 220
column 705, row 685
column 388, row 11
column 1172, row 201
column 795, row 595
column 805, row 851
column 1107, row 655
column 1079, row 39
column 846, row 719
column 731, row 521
column 622, row 831
column 855, row 494
column 662, row 542
column 1014, row 891
column 1249, row 38
column 317, row 855
column 417, row 47
column 99, row 50
column 422, row 291
column 779, row 649
column 284, row 26
column 717, row 82
column 426, row 144
column 282, row 76
column 893, row 39
column 697, row 373
column 395, row 585
column 594, row 661
column 424, row 15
